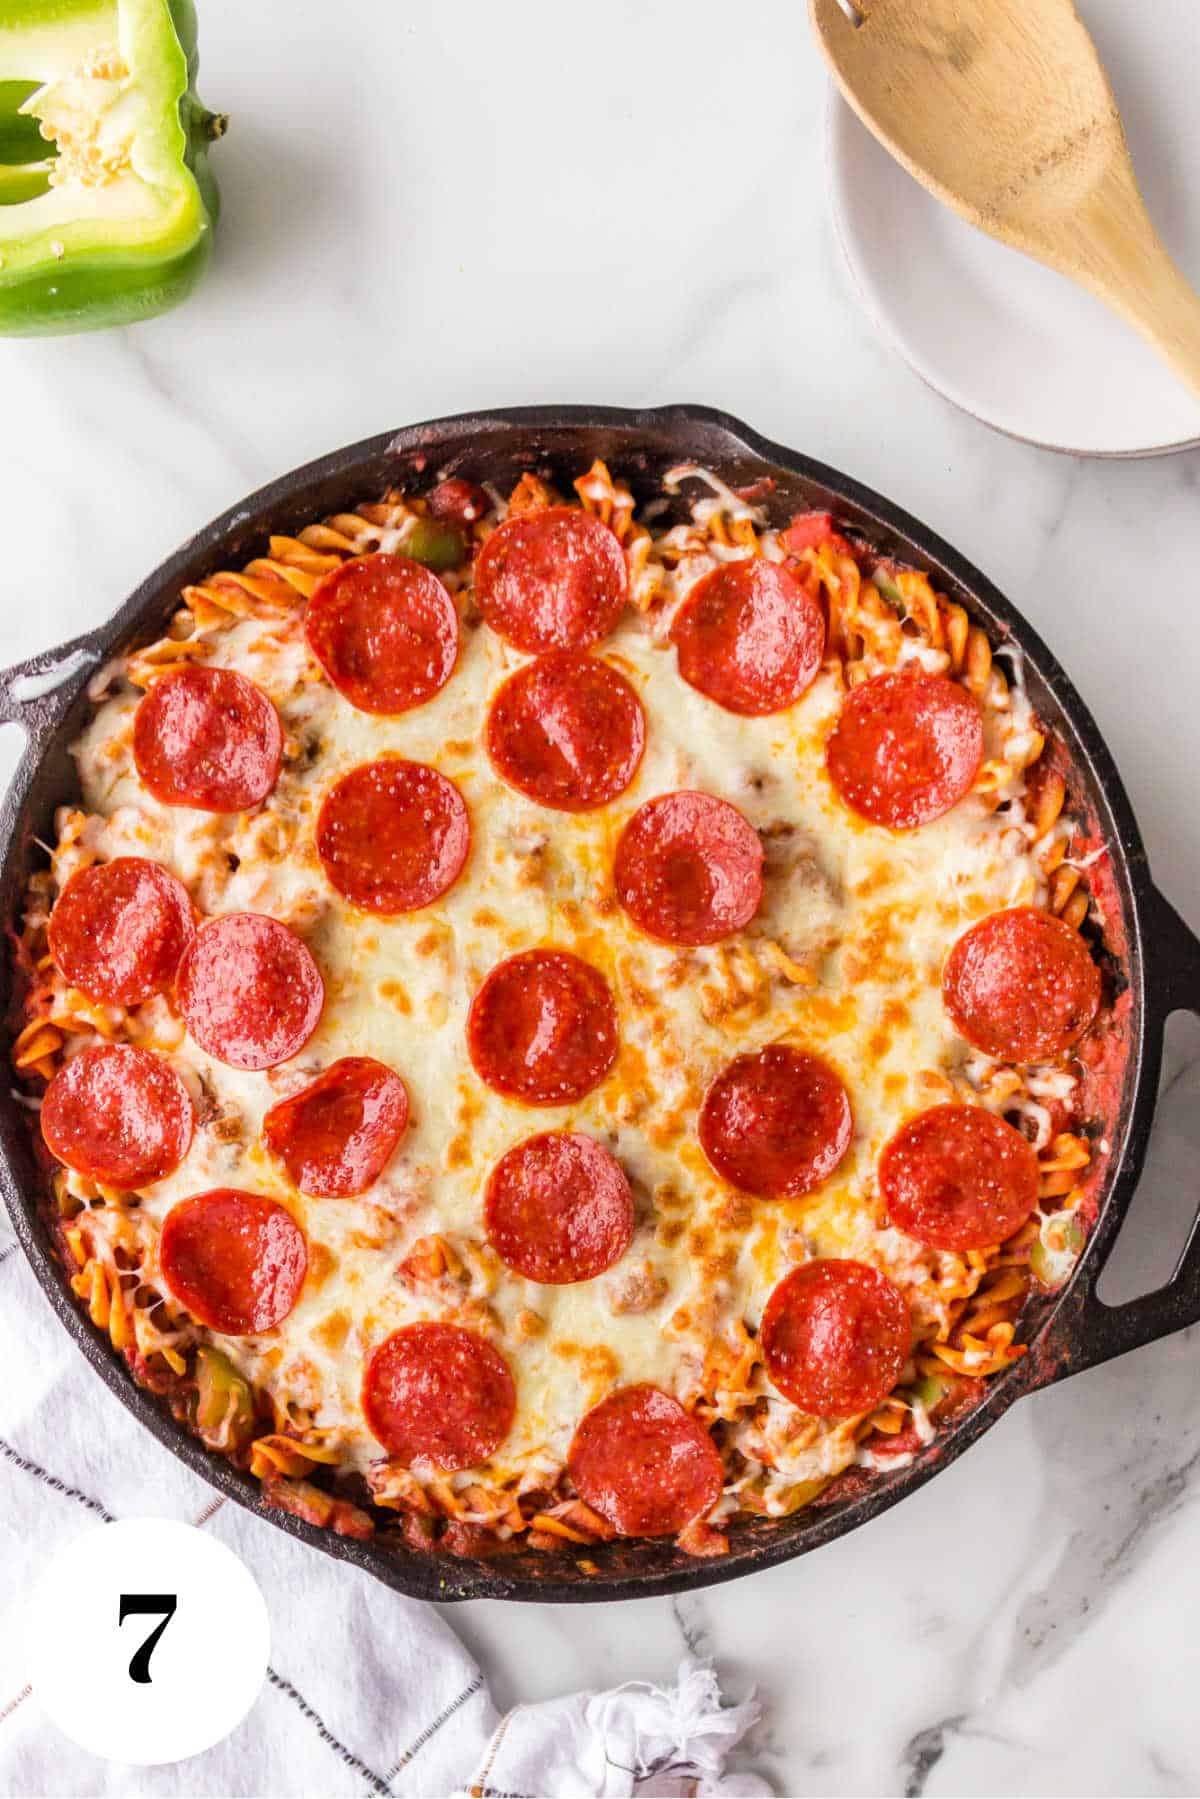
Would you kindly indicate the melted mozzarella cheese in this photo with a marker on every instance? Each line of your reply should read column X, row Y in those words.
column 844, row 959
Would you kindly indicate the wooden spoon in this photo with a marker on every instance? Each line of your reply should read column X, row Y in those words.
column 1003, row 110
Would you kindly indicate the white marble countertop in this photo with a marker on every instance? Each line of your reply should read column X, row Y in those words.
column 431, row 208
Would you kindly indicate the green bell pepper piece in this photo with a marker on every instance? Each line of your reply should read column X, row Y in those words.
column 889, row 588
column 929, row 1390
column 438, row 545
column 1056, row 1250
column 107, row 205
column 224, row 1402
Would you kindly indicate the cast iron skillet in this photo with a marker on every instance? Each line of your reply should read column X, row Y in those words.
column 1152, row 959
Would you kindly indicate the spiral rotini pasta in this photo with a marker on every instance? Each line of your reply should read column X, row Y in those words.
column 842, row 957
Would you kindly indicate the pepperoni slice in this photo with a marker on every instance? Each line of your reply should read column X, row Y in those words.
column 644, row 1463
column 207, row 737
column 906, row 748
column 543, row 1028
column 385, row 631
column 438, row 1393
column 336, row 1135
column 688, row 868
column 776, row 1123
column 554, row 579
column 249, row 990
column 957, row 1177
column 119, row 929
column 121, row 1116
column 1021, row 985
column 568, row 731
column 835, row 1336
column 749, row 637
column 393, row 835
column 237, row 1261
column 558, row 1208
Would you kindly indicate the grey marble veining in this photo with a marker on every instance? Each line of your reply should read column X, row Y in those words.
column 436, row 208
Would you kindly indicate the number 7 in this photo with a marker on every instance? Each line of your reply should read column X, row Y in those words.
column 140, row 1605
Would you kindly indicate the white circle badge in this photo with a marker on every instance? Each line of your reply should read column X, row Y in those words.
column 149, row 1641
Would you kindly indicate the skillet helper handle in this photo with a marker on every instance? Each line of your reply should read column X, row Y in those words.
column 1087, row 1332
column 36, row 693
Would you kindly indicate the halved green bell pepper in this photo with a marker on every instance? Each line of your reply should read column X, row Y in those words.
column 107, row 205
column 25, row 157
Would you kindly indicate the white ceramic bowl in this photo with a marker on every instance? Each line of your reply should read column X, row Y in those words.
column 1011, row 342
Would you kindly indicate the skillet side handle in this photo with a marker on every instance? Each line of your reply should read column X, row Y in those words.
column 1087, row 1332
column 36, row 693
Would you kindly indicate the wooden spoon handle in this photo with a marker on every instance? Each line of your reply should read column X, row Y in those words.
column 1166, row 310
column 1124, row 261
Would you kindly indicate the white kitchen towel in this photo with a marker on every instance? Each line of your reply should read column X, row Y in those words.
column 367, row 1693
